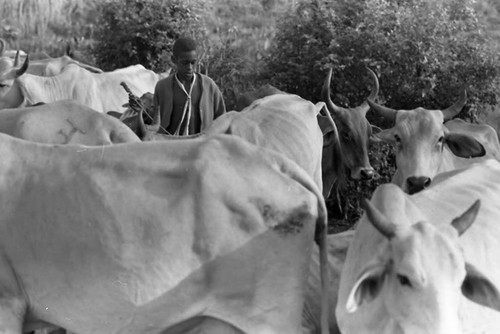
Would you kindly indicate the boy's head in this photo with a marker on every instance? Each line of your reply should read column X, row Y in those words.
column 184, row 57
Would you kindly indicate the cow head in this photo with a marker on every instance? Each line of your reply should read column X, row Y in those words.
column 424, row 146
column 419, row 277
column 10, row 93
column 354, row 132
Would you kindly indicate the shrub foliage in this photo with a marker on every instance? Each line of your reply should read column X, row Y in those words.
column 143, row 31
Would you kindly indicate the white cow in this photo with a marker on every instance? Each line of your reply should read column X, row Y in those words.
column 410, row 270
column 99, row 91
column 65, row 122
column 211, row 234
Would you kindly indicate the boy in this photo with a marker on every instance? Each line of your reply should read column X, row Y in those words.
column 187, row 101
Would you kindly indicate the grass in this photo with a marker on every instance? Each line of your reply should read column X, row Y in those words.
column 45, row 25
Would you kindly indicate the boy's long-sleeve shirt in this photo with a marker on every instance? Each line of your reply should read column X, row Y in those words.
column 206, row 104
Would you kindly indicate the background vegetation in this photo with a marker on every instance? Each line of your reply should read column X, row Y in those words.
column 424, row 51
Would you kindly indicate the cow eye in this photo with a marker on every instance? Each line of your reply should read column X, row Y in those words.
column 404, row 280
column 441, row 139
column 3, row 85
column 346, row 136
column 398, row 140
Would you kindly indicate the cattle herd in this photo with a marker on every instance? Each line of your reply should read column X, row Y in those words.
column 107, row 226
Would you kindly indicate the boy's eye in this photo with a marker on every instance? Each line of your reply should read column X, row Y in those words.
column 188, row 62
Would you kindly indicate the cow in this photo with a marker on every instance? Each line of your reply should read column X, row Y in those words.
column 284, row 123
column 416, row 265
column 99, row 91
column 64, row 122
column 167, row 237
column 246, row 99
column 426, row 147
column 354, row 132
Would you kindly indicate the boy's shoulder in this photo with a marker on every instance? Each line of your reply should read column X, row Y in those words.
column 207, row 80
column 165, row 82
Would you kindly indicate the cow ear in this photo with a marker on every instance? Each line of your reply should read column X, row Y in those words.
column 479, row 289
column 367, row 287
column 384, row 136
column 324, row 124
column 464, row 146
column 328, row 139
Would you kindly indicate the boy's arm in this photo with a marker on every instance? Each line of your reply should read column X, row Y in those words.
column 219, row 105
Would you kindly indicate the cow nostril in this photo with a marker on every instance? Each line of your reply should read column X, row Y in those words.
column 427, row 182
column 367, row 173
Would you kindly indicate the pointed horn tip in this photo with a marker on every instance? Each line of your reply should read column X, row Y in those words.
column 364, row 203
column 20, row 71
column 462, row 225
column 371, row 72
column 476, row 205
column 328, row 78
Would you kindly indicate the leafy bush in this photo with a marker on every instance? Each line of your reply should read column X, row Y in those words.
column 142, row 31
column 296, row 61
column 229, row 66
column 424, row 51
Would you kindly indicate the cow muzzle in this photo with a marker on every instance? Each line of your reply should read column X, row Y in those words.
column 414, row 184
column 363, row 173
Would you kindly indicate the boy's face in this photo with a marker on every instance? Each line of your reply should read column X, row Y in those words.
column 185, row 62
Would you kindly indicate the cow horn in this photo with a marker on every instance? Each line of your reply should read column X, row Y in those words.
column 23, row 68
column 378, row 220
column 157, row 120
column 373, row 94
column 141, row 131
column 452, row 111
column 2, row 47
column 16, row 59
column 465, row 220
column 325, row 93
column 68, row 50
column 387, row 113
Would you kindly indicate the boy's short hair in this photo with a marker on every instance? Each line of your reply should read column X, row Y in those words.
column 184, row 44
